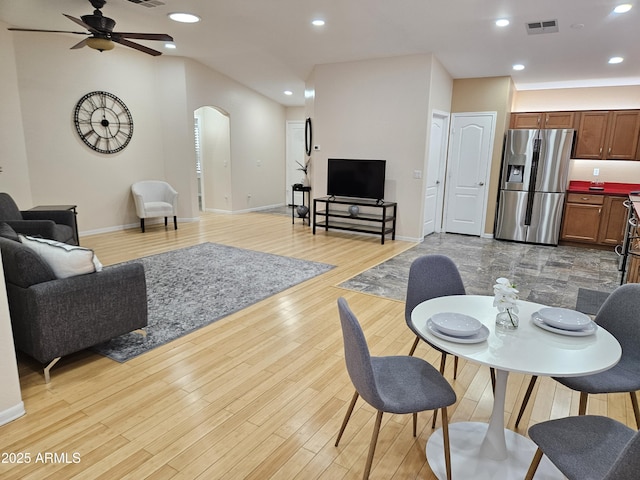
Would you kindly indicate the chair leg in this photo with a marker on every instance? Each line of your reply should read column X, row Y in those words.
column 525, row 400
column 534, row 465
column 413, row 347
column 636, row 412
column 372, row 445
column 443, row 364
column 347, row 416
column 582, row 407
column 142, row 224
column 455, row 367
column 165, row 221
column 445, row 438
column 415, row 424
column 175, row 222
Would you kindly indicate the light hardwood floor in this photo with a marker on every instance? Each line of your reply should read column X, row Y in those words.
column 259, row 394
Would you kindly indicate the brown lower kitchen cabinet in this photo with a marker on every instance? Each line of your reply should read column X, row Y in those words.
column 594, row 219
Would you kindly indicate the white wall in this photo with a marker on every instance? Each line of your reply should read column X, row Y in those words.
column 11, row 406
column 13, row 153
column 377, row 109
column 46, row 163
column 257, row 129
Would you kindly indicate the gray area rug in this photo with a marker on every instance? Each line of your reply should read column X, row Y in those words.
column 589, row 301
column 195, row 286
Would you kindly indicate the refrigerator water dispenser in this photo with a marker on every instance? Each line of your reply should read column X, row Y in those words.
column 515, row 174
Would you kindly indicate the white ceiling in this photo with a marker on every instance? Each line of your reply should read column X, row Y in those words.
column 271, row 46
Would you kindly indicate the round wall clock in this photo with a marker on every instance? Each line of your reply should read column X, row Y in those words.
column 103, row 122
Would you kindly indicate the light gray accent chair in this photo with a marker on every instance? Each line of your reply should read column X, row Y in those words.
column 154, row 198
column 57, row 225
column 392, row 384
column 620, row 316
column 587, row 448
column 52, row 317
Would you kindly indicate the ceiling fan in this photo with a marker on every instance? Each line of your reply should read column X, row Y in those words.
column 101, row 34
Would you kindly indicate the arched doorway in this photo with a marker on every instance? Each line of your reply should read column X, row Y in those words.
column 213, row 159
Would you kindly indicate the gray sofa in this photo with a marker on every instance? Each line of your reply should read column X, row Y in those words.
column 57, row 225
column 54, row 317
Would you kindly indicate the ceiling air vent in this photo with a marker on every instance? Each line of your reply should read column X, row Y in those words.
column 148, row 3
column 547, row 26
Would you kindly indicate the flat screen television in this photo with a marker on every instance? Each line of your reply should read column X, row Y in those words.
column 356, row 178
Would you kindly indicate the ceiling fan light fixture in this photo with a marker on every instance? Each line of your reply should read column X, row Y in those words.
column 184, row 17
column 100, row 44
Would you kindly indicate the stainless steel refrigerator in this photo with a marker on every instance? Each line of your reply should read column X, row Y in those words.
column 535, row 168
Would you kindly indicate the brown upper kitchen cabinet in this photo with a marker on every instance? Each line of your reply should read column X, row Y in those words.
column 543, row 120
column 608, row 135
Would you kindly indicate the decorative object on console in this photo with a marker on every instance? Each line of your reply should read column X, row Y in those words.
column 354, row 211
column 302, row 210
column 505, row 300
column 103, row 122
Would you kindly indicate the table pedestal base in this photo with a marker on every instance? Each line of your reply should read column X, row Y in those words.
column 466, row 438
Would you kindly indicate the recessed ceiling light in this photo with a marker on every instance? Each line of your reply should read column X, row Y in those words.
column 503, row 22
column 616, row 60
column 518, row 66
column 184, row 17
column 624, row 8
column 170, row 45
column 318, row 23
column 288, row 92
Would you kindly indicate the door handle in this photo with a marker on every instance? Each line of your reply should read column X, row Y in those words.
column 437, row 182
column 481, row 183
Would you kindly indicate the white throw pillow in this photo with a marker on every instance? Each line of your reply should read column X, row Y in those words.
column 65, row 260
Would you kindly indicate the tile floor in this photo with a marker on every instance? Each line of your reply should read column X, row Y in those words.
column 544, row 274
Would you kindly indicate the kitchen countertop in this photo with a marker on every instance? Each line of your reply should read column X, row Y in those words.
column 610, row 188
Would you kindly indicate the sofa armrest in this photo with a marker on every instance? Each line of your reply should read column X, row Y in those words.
column 44, row 228
column 64, row 316
column 62, row 217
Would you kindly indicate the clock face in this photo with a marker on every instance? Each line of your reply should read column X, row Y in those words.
column 103, row 122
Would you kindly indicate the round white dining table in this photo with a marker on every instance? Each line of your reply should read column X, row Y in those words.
column 489, row 451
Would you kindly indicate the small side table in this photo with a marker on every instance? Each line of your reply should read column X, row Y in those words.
column 62, row 207
column 306, row 202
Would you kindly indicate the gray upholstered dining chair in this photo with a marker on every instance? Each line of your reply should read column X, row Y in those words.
column 619, row 315
column 589, row 447
column 432, row 276
column 392, row 384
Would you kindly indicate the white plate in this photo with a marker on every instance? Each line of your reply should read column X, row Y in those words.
column 564, row 318
column 478, row 337
column 456, row 324
column 588, row 330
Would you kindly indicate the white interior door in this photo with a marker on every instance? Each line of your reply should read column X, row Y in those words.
column 294, row 152
column 470, row 152
column 434, row 173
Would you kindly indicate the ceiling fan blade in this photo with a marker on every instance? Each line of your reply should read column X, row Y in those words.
column 45, row 31
column 163, row 37
column 137, row 46
column 80, row 44
column 81, row 23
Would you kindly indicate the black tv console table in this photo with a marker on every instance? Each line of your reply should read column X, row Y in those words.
column 372, row 217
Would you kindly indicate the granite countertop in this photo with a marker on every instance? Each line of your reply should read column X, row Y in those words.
column 610, row 188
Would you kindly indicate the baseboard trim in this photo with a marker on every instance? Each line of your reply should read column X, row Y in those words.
column 10, row 414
